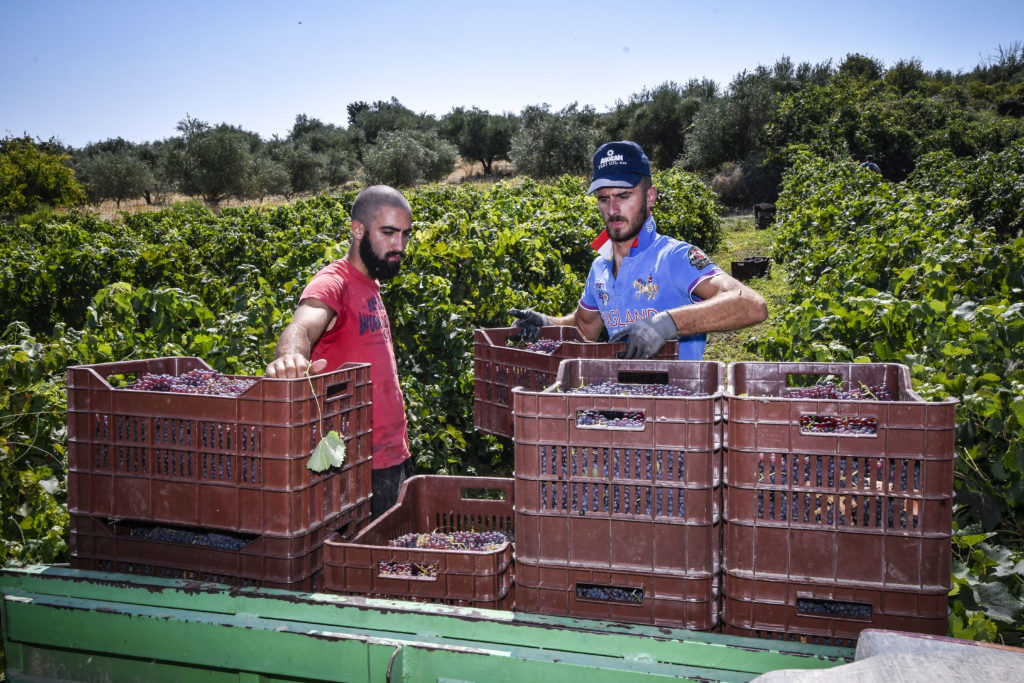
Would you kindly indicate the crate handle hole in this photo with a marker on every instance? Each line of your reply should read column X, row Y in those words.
column 611, row 419
column 419, row 571
column 643, row 377
column 483, row 494
column 834, row 609
column 629, row 595
column 839, row 425
column 335, row 389
column 804, row 379
column 122, row 379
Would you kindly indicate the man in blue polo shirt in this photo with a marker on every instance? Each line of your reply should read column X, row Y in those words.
column 644, row 287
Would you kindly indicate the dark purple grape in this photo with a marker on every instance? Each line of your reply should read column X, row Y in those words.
column 830, row 391
column 831, row 424
column 620, row 389
column 484, row 541
column 197, row 381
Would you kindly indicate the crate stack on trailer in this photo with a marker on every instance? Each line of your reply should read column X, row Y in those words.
column 213, row 487
column 836, row 491
column 617, row 495
column 838, row 502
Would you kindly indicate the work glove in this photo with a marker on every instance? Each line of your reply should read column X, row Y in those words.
column 646, row 337
column 529, row 324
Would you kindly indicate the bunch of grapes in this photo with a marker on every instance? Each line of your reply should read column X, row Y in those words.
column 828, row 390
column 618, row 389
column 610, row 593
column 210, row 539
column 415, row 569
column 454, row 540
column 547, row 346
column 197, row 381
column 609, row 418
column 830, row 424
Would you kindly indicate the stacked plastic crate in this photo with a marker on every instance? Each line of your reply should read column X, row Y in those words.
column 617, row 496
column 447, row 540
column 499, row 365
column 838, row 502
column 213, row 487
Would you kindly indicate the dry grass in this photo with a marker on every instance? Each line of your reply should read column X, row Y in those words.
column 465, row 172
column 742, row 239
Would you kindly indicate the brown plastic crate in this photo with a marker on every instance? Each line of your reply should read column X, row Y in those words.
column 637, row 503
column 807, row 638
column 233, row 463
column 498, row 368
column 429, row 503
column 294, row 561
column 666, row 469
column 812, row 610
column 657, row 598
column 639, row 545
column 871, row 510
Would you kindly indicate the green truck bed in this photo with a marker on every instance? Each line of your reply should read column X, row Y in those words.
column 65, row 624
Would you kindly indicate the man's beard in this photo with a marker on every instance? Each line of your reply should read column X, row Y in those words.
column 633, row 228
column 379, row 268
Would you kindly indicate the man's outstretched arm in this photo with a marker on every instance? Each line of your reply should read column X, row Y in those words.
column 291, row 355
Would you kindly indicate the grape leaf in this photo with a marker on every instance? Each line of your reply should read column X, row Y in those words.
column 330, row 452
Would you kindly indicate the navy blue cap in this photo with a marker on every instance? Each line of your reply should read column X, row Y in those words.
column 619, row 164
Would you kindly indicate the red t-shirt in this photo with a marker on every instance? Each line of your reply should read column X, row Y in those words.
column 362, row 334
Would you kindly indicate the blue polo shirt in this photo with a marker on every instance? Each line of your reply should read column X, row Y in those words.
column 659, row 274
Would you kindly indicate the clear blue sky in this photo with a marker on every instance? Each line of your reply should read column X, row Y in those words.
column 87, row 71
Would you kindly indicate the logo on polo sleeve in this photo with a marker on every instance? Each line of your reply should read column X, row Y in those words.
column 698, row 259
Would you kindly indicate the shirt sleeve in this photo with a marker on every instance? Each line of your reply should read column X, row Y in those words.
column 589, row 298
column 328, row 287
column 690, row 267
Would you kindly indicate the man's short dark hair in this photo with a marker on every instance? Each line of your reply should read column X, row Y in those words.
column 370, row 201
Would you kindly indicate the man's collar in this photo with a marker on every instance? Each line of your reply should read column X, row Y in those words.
column 603, row 244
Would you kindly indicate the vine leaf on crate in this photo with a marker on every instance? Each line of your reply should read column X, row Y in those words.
column 330, row 452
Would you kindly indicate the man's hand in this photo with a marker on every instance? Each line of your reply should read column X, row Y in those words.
column 529, row 323
column 293, row 366
column 646, row 337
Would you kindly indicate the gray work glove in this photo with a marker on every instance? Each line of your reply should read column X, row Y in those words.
column 529, row 323
column 646, row 337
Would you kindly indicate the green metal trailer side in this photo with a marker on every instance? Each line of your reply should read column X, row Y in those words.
column 65, row 624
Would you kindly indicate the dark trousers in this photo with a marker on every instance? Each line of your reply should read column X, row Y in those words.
column 386, row 483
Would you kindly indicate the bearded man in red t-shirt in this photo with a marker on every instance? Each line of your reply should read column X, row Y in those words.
column 341, row 318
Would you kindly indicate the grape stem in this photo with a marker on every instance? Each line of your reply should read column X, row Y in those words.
column 316, row 400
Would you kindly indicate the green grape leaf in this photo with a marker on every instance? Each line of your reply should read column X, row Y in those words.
column 330, row 452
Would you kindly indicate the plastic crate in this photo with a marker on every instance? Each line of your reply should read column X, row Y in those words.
column 498, row 368
column 751, row 267
column 666, row 468
column 764, row 215
column 815, row 612
column 806, row 638
column 233, row 463
column 639, row 502
column 425, row 504
column 859, row 509
column 655, row 598
column 293, row 562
